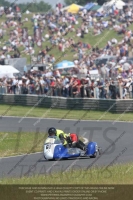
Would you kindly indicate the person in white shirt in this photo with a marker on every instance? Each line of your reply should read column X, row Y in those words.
column 42, row 84
column 14, row 84
column 27, row 82
column 114, row 41
column 20, row 83
column 8, row 56
column 85, row 11
column 2, row 56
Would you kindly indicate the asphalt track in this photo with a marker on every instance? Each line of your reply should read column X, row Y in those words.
column 115, row 138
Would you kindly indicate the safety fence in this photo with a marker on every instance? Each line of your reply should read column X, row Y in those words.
column 110, row 105
column 106, row 92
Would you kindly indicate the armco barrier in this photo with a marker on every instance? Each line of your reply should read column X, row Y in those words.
column 116, row 106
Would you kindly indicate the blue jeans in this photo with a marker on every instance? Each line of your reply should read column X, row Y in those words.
column 45, row 90
column 14, row 89
column 66, row 92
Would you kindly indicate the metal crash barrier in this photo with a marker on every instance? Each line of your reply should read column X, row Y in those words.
column 113, row 105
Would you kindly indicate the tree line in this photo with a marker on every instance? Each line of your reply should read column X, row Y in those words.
column 32, row 6
column 84, row 2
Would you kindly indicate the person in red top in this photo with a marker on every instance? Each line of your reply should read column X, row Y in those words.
column 53, row 86
column 76, row 142
column 17, row 9
column 116, row 12
column 76, row 85
column 59, row 6
column 76, row 81
column 88, row 46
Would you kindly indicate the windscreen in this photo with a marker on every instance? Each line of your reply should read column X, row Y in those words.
column 52, row 140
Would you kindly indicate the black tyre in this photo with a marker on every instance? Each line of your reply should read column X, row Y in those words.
column 100, row 151
column 51, row 160
column 94, row 155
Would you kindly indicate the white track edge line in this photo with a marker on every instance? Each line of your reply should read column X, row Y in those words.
column 68, row 119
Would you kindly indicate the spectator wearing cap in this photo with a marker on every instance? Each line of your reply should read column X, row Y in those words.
column 87, row 85
column 75, row 86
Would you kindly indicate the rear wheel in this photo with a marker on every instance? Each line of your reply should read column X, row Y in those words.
column 100, row 151
column 94, row 155
column 51, row 160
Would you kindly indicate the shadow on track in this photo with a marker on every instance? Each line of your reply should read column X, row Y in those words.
column 69, row 159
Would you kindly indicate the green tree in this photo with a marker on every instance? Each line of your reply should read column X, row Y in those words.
column 101, row 2
column 84, row 2
column 4, row 3
column 32, row 7
column 39, row 7
column 79, row 2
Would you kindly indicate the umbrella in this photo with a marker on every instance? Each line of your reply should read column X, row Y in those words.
column 89, row 6
column 64, row 64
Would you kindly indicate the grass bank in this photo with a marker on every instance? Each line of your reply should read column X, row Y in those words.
column 6, row 110
column 117, row 174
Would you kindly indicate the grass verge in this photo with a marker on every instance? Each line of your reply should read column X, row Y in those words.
column 6, row 110
column 117, row 174
column 20, row 143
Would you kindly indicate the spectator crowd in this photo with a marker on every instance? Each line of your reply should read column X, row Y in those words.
column 115, row 76
column 68, row 86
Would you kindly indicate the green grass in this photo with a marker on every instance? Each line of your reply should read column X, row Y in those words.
column 28, row 111
column 21, row 142
column 117, row 174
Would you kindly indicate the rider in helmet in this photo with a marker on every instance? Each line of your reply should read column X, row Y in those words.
column 67, row 138
column 59, row 133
